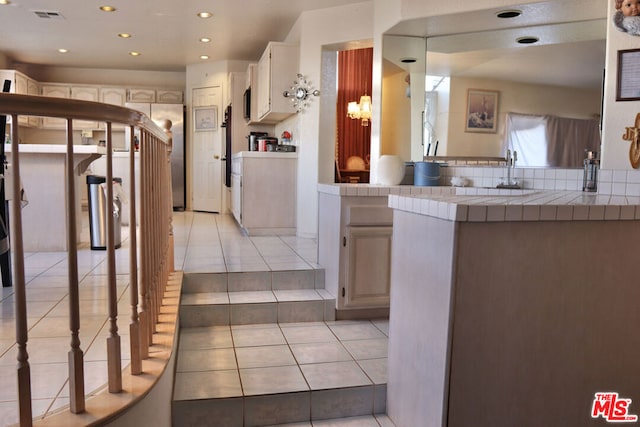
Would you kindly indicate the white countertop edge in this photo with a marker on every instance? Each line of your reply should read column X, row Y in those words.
column 535, row 206
column 374, row 190
column 264, row 155
column 57, row 148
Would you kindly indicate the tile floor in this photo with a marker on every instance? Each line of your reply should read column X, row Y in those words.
column 203, row 243
column 269, row 359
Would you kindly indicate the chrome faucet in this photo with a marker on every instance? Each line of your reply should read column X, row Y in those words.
column 510, row 159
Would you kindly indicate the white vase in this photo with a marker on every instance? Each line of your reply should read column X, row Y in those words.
column 390, row 170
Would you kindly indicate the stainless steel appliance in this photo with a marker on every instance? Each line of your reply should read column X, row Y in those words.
column 176, row 113
column 253, row 139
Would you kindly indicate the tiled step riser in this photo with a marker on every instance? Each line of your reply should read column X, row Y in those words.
column 243, row 314
column 267, row 410
column 253, row 281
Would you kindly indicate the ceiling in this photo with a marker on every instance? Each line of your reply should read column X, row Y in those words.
column 166, row 33
column 570, row 51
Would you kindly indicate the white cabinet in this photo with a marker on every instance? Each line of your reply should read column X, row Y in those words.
column 236, row 197
column 23, row 85
column 55, row 91
column 85, row 93
column 113, row 95
column 253, row 86
column 169, row 97
column 263, row 192
column 141, row 95
column 354, row 248
column 277, row 70
column 368, row 266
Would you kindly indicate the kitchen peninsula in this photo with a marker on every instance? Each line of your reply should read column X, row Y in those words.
column 263, row 191
column 42, row 169
column 512, row 310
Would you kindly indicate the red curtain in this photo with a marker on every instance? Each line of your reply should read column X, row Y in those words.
column 354, row 80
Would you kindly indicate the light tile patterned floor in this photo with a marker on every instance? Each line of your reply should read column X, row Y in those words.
column 203, row 243
column 278, row 358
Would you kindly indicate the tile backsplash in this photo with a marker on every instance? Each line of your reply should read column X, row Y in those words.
column 614, row 182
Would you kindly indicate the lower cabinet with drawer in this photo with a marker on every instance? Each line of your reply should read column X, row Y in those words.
column 354, row 248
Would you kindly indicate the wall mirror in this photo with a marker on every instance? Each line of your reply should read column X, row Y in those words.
column 560, row 74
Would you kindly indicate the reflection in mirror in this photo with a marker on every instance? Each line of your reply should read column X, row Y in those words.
column 403, row 91
column 557, row 80
column 560, row 75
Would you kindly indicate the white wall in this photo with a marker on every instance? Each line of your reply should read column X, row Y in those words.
column 617, row 114
column 314, row 30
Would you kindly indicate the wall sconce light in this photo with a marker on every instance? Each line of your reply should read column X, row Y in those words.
column 360, row 110
column 300, row 92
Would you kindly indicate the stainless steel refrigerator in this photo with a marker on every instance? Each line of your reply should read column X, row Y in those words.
column 176, row 113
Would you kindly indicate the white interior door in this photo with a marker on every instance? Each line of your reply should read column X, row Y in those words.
column 207, row 149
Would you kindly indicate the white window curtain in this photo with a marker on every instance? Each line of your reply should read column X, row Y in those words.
column 551, row 141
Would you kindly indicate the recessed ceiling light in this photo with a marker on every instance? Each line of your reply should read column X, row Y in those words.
column 124, row 35
column 107, row 8
column 527, row 40
column 205, row 14
column 134, row 53
column 62, row 50
column 5, row 2
column 204, row 56
column 205, row 39
column 506, row 14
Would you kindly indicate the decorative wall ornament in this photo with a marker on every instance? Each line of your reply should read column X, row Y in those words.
column 632, row 133
column 627, row 16
column 300, row 93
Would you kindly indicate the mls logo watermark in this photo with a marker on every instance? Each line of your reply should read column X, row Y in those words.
column 612, row 408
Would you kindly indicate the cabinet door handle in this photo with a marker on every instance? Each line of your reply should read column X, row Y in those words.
column 344, row 241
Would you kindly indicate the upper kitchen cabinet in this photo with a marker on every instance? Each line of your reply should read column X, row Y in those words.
column 141, row 95
column 160, row 96
column 169, row 96
column 277, row 70
column 85, row 93
column 113, row 95
column 55, row 91
column 250, row 107
column 23, row 85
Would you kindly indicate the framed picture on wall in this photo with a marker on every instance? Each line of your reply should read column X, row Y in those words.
column 482, row 111
column 628, row 79
column 205, row 118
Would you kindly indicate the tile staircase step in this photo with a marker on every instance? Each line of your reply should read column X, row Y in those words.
column 257, row 378
column 276, row 374
column 251, row 307
column 211, row 299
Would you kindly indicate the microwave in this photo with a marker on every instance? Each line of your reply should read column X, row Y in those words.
column 246, row 104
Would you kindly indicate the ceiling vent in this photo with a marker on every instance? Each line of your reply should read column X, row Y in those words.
column 48, row 14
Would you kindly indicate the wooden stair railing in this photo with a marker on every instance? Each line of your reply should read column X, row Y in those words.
column 156, row 239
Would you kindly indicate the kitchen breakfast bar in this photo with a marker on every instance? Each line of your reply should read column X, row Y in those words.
column 512, row 307
column 42, row 168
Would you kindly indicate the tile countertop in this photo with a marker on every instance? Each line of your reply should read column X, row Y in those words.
column 493, row 205
column 472, row 204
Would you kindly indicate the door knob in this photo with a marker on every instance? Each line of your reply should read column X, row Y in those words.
column 216, row 157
